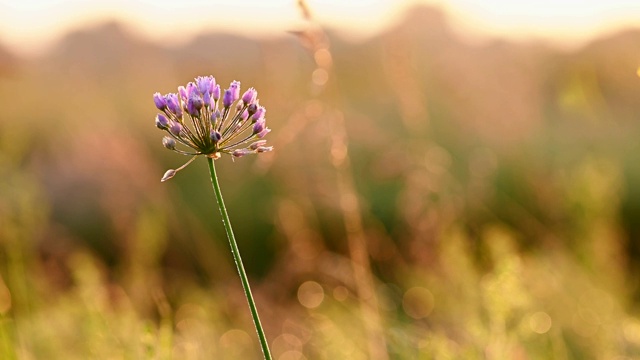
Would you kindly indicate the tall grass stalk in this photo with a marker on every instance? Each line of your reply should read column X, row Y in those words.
column 318, row 42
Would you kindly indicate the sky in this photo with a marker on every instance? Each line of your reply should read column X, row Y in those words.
column 28, row 26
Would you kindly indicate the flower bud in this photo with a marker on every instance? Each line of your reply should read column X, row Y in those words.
column 241, row 152
column 235, row 89
column 169, row 143
column 168, row 175
column 191, row 89
column 262, row 149
column 175, row 129
column 244, row 115
column 250, row 96
column 257, row 144
column 227, row 98
column 160, row 101
column 173, row 104
column 162, row 122
column 258, row 126
column 215, row 136
column 263, row 133
column 206, row 97
column 215, row 93
column 252, row 108
column 212, row 85
column 205, row 84
column 259, row 114
column 194, row 104
column 183, row 92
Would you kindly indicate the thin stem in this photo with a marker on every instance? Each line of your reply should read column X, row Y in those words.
column 238, row 260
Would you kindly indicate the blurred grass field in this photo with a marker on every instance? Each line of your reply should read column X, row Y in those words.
column 494, row 187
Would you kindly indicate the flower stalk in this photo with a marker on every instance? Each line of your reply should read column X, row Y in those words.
column 238, row 261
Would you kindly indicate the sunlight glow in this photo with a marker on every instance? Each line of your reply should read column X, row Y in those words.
column 33, row 24
column 564, row 21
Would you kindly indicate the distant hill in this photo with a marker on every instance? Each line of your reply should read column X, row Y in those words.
column 489, row 89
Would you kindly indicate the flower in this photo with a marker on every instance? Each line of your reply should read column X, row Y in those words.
column 197, row 118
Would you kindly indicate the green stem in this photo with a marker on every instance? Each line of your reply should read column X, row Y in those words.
column 238, row 260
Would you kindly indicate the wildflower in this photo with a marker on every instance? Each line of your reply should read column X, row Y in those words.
column 249, row 96
column 198, row 118
column 160, row 101
column 162, row 122
column 203, row 123
column 169, row 143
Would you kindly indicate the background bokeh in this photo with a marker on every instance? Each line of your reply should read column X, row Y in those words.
column 428, row 198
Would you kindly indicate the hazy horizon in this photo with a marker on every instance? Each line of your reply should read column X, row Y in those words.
column 33, row 26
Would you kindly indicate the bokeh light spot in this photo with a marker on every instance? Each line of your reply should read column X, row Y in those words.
column 323, row 58
column 320, row 77
column 310, row 294
column 418, row 302
column 234, row 341
column 540, row 322
column 286, row 343
column 340, row 293
column 292, row 355
column 585, row 322
column 313, row 109
column 631, row 330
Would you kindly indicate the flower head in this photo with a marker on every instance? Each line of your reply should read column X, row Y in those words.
column 198, row 119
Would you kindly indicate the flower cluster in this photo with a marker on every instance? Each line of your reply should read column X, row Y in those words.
column 211, row 122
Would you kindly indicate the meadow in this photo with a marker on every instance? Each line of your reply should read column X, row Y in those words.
column 428, row 197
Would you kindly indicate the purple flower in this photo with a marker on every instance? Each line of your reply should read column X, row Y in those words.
column 173, row 104
column 206, row 97
column 175, row 129
column 160, row 101
column 259, row 114
column 262, row 149
column 205, row 84
column 162, row 122
column 227, row 98
column 257, row 144
column 195, row 119
column 259, row 126
column 235, row 89
column 241, row 152
column 215, row 136
column 191, row 89
column 249, row 96
column 183, row 93
column 194, row 104
column 263, row 133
